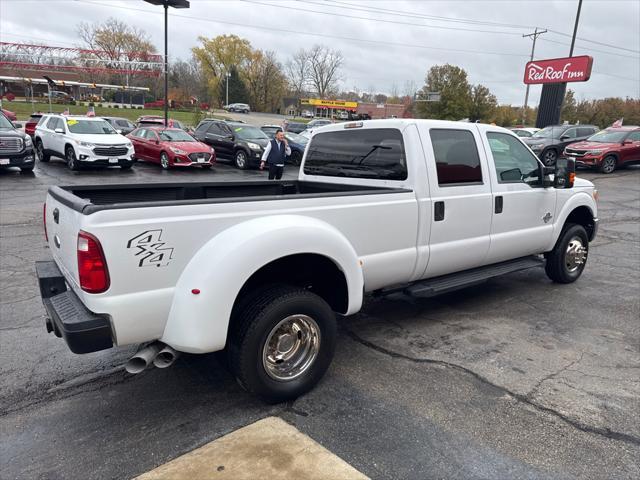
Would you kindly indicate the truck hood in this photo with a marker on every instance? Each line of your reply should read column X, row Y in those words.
column 592, row 146
column 103, row 139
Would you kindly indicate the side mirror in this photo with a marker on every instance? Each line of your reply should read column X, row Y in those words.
column 119, row 132
column 59, row 130
column 565, row 173
column 565, row 137
column 157, row 142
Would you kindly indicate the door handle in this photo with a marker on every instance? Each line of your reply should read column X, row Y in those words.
column 499, row 204
column 438, row 211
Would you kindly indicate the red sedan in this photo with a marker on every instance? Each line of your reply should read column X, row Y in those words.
column 171, row 147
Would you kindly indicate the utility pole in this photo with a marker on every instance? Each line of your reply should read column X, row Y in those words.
column 534, row 36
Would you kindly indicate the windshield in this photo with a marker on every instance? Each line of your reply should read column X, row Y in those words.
column 295, row 138
column 607, row 136
column 90, row 127
column 175, row 136
column 250, row 133
column 549, row 132
column 4, row 123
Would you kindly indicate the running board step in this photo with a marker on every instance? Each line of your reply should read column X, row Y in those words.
column 454, row 281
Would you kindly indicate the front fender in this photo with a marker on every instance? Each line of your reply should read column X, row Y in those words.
column 579, row 199
column 198, row 323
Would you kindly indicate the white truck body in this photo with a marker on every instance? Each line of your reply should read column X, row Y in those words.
column 379, row 237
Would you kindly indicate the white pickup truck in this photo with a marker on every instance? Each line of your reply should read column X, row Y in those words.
column 259, row 269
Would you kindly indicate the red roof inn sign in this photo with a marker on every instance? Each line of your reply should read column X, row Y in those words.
column 558, row 70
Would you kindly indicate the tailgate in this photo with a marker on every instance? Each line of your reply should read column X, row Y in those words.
column 63, row 224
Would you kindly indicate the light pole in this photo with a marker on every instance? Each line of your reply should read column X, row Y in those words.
column 166, row 4
column 228, row 75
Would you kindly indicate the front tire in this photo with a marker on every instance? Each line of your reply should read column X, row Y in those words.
column 296, row 158
column 241, row 160
column 608, row 164
column 164, row 161
column 72, row 161
column 549, row 157
column 281, row 342
column 568, row 258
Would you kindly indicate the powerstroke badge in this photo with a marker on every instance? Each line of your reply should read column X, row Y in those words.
column 150, row 250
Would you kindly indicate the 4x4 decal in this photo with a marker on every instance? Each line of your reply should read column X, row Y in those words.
column 150, row 250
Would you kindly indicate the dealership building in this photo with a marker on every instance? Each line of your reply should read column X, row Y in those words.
column 332, row 108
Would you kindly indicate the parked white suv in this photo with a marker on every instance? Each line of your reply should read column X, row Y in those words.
column 82, row 140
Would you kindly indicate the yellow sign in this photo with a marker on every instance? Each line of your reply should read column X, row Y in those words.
column 330, row 103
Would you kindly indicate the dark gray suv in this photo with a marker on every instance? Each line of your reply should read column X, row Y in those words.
column 549, row 142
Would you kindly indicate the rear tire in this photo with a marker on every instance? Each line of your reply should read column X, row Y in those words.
column 42, row 155
column 568, row 258
column 281, row 342
column 608, row 164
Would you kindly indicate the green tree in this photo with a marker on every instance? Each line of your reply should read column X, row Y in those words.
column 218, row 55
column 569, row 110
column 237, row 89
column 483, row 104
column 451, row 83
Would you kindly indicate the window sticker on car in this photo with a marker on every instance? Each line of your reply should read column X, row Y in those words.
column 238, row 129
column 71, row 122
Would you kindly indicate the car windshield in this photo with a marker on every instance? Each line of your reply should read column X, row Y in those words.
column 175, row 136
column 4, row 123
column 90, row 127
column 548, row 132
column 607, row 136
column 295, row 138
column 247, row 132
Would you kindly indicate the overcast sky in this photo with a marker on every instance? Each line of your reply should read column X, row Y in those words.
column 391, row 42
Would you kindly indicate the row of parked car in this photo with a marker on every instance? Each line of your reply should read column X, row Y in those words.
column 113, row 141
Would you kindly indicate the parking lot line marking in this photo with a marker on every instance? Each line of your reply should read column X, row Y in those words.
column 269, row 448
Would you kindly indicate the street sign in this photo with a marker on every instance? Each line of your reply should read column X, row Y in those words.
column 558, row 70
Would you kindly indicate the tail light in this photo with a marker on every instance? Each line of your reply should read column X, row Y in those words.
column 44, row 221
column 92, row 266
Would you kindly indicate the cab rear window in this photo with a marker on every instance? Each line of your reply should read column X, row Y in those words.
column 369, row 153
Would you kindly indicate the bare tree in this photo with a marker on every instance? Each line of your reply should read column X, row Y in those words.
column 324, row 69
column 297, row 72
column 410, row 88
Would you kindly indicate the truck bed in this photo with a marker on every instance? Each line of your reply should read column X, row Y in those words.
column 94, row 198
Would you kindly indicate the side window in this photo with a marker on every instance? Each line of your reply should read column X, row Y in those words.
column 150, row 135
column 634, row 136
column 202, row 127
column 140, row 133
column 42, row 121
column 456, row 154
column 214, row 129
column 51, row 124
column 571, row 133
column 122, row 123
column 514, row 163
column 585, row 132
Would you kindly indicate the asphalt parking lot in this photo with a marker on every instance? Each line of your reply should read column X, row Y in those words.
column 516, row 378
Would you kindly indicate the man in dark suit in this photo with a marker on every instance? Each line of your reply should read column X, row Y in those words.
column 274, row 155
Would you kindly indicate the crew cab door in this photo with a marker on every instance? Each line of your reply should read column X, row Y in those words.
column 523, row 211
column 460, row 199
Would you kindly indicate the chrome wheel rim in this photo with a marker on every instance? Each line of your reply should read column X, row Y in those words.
column 164, row 161
column 549, row 157
column 240, row 160
column 609, row 165
column 576, row 255
column 291, row 347
column 70, row 159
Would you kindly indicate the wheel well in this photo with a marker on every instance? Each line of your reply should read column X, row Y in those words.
column 611, row 154
column 583, row 216
column 67, row 145
column 313, row 272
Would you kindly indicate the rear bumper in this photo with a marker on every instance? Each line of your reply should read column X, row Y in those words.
column 83, row 330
